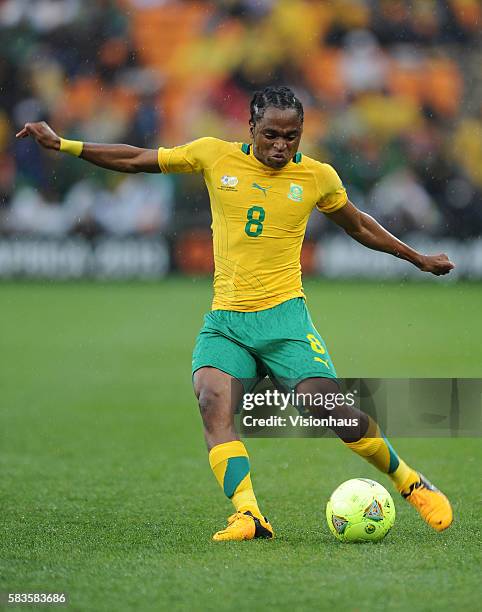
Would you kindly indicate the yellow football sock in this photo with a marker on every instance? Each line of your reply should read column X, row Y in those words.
column 230, row 464
column 378, row 451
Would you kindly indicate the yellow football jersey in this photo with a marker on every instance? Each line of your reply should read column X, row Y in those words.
column 259, row 218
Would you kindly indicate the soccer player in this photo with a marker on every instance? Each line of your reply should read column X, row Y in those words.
column 262, row 194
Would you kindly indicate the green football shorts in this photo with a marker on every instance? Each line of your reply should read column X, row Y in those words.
column 280, row 342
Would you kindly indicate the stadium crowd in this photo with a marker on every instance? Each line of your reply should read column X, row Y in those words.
column 391, row 92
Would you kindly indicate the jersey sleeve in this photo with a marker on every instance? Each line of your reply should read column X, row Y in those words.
column 333, row 195
column 195, row 156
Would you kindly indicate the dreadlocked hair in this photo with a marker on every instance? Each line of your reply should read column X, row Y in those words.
column 279, row 97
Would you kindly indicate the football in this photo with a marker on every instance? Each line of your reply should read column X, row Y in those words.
column 360, row 510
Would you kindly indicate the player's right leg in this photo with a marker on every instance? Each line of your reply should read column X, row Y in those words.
column 218, row 394
column 219, row 365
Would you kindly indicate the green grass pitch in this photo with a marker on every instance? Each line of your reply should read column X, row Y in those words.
column 106, row 490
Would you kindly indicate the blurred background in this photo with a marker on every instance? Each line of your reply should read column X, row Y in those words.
column 392, row 95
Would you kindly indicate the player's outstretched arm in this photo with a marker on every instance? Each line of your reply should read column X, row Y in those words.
column 120, row 157
column 365, row 230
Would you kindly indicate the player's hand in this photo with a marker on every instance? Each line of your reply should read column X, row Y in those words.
column 42, row 133
column 436, row 264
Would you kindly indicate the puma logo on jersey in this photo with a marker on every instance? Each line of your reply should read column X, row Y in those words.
column 263, row 189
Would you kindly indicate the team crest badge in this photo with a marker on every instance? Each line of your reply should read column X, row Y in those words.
column 295, row 193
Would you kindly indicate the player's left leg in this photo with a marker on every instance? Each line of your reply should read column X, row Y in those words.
column 295, row 353
column 367, row 441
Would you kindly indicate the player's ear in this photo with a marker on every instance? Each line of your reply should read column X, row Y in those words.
column 251, row 129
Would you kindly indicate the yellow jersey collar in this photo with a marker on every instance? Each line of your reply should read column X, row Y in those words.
column 247, row 150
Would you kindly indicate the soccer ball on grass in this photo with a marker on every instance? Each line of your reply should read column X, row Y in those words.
column 360, row 510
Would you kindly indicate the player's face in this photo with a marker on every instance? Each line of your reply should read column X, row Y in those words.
column 276, row 136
